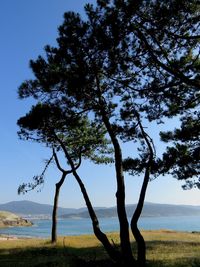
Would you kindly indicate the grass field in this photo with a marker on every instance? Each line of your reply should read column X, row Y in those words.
column 164, row 248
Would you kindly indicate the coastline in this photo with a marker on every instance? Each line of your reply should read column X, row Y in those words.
column 8, row 237
column 69, row 227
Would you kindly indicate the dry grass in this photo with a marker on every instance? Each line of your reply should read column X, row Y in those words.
column 164, row 248
column 6, row 215
column 170, row 248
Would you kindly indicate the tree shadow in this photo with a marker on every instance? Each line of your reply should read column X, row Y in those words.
column 53, row 256
column 169, row 247
column 61, row 256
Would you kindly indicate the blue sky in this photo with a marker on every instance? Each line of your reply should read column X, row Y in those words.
column 26, row 27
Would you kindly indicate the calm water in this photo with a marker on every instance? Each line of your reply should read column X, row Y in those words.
column 42, row 228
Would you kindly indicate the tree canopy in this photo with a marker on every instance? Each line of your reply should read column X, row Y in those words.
column 182, row 158
column 126, row 63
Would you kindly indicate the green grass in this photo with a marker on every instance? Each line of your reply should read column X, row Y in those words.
column 164, row 248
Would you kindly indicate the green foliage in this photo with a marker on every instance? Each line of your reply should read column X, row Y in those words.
column 182, row 158
column 126, row 63
column 45, row 123
column 142, row 52
column 49, row 125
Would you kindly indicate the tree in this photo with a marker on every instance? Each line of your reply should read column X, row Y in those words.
column 129, row 62
column 56, row 197
column 77, row 139
column 182, row 157
column 39, row 180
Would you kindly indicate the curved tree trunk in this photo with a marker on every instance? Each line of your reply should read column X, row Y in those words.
column 128, row 259
column 55, row 208
column 127, row 256
column 111, row 250
column 141, row 246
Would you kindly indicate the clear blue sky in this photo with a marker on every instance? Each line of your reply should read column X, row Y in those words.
column 25, row 28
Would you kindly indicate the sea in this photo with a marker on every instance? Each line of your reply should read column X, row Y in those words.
column 66, row 227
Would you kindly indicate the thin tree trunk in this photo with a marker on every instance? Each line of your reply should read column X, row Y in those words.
column 120, row 195
column 111, row 250
column 141, row 246
column 55, row 208
column 54, row 217
column 127, row 256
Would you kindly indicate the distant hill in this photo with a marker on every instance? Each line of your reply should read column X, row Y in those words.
column 8, row 219
column 149, row 210
column 32, row 208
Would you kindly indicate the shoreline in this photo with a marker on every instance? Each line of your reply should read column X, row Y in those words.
column 17, row 237
column 10, row 237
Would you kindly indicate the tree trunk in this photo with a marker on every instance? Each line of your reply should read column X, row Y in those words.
column 55, row 208
column 111, row 250
column 54, row 217
column 141, row 246
column 127, row 256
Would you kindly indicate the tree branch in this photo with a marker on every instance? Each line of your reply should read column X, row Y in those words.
column 171, row 70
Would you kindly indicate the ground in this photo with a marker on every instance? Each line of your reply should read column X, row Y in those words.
column 164, row 248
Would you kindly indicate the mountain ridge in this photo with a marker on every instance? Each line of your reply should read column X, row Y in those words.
column 26, row 207
column 150, row 209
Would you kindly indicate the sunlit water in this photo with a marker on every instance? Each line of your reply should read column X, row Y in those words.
column 42, row 228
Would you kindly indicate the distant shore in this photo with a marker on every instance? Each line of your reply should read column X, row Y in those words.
column 9, row 237
column 9, row 219
column 18, row 238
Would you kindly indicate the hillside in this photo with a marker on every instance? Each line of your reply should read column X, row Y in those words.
column 149, row 210
column 32, row 208
column 10, row 219
column 29, row 208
